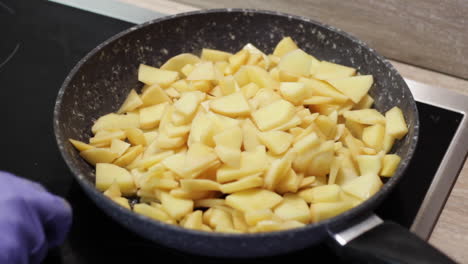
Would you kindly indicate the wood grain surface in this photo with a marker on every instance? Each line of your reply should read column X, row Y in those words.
column 402, row 26
column 429, row 33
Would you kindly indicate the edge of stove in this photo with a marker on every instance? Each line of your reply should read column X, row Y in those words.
column 451, row 164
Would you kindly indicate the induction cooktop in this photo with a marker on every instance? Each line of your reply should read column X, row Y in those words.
column 42, row 41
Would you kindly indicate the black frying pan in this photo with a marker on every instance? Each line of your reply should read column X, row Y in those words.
column 100, row 82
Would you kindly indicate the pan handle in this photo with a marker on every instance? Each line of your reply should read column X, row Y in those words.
column 376, row 241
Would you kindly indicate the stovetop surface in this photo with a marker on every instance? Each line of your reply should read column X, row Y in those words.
column 47, row 40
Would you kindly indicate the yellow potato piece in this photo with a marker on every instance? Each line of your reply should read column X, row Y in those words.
column 366, row 102
column 114, row 121
column 107, row 174
column 396, row 125
column 113, row 191
column 363, row 186
column 293, row 207
column 373, row 136
column 196, row 185
column 321, row 194
column 320, row 88
column 150, row 75
column 260, row 77
column 152, row 212
column 296, row 62
column 118, row 146
column 253, row 217
column 250, row 139
column 229, row 156
column 284, row 46
column 132, row 102
column 194, row 220
column 129, row 156
column 154, row 95
column 253, row 199
column 276, row 141
column 105, row 138
column 151, row 116
column 278, row 170
column 135, row 136
column 215, row 55
column 387, row 144
column 294, row 92
column 328, row 70
column 390, row 164
column 238, row 59
column 232, row 105
column 98, row 155
column 80, row 146
column 231, row 137
column 177, row 208
column 273, row 115
column 176, row 63
column 369, row 164
column 210, row 202
column 245, row 183
column 355, row 87
column 251, row 162
column 323, row 211
column 228, row 85
column 188, row 103
column 202, row 71
column 365, row 116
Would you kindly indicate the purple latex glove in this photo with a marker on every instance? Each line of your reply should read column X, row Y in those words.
column 32, row 220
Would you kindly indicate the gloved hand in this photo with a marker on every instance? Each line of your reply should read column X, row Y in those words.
column 32, row 220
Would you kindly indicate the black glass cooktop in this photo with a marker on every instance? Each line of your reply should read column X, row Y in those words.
column 40, row 42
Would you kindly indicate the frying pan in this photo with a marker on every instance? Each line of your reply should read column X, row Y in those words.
column 99, row 83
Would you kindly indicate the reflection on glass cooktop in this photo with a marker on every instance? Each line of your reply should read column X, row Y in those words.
column 49, row 40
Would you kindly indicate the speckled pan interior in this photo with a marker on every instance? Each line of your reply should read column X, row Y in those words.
column 100, row 82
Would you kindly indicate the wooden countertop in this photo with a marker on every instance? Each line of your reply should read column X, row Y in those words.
column 451, row 232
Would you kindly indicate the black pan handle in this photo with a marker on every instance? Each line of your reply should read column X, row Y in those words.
column 375, row 241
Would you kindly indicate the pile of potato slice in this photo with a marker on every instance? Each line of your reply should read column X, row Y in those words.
column 245, row 142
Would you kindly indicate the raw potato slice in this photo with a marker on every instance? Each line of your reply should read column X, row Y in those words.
column 296, row 62
column 253, row 199
column 98, row 155
column 135, row 136
column 132, row 102
column 118, row 146
column 321, row 194
column 242, row 184
column 363, row 186
column 249, row 135
column 278, row 170
column 390, row 164
column 228, row 85
column 80, row 146
column 355, row 87
column 152, row 212
column 317, row 87
column 396, row 125
column 366, row 102
column 196, row 185
column 154, row 95
column 369, row 164
column 276, row 141
column 114, row 121
column 122, row 201
column 104, row 138
column 238, row 59
column 251, row 163
column 232, row 105
column 202, row 71
column 293, row 207
column 284, row 46
column 194, row 220
column 323, row 211
column 328, row 70
column 176, row 63
column 294, row 92
column 365, row 116
column 129, row 156
column 176, row 207
column 152, row 115
column 273, row 115
column 260, row 77
column 387, row 143
column 229, row 156
column 252, row 218
column 113, row 191
column 107, row 174
column 187, row 105
column 231, row 138
column 373, row 136
column 215, row 55
column 150, row 75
